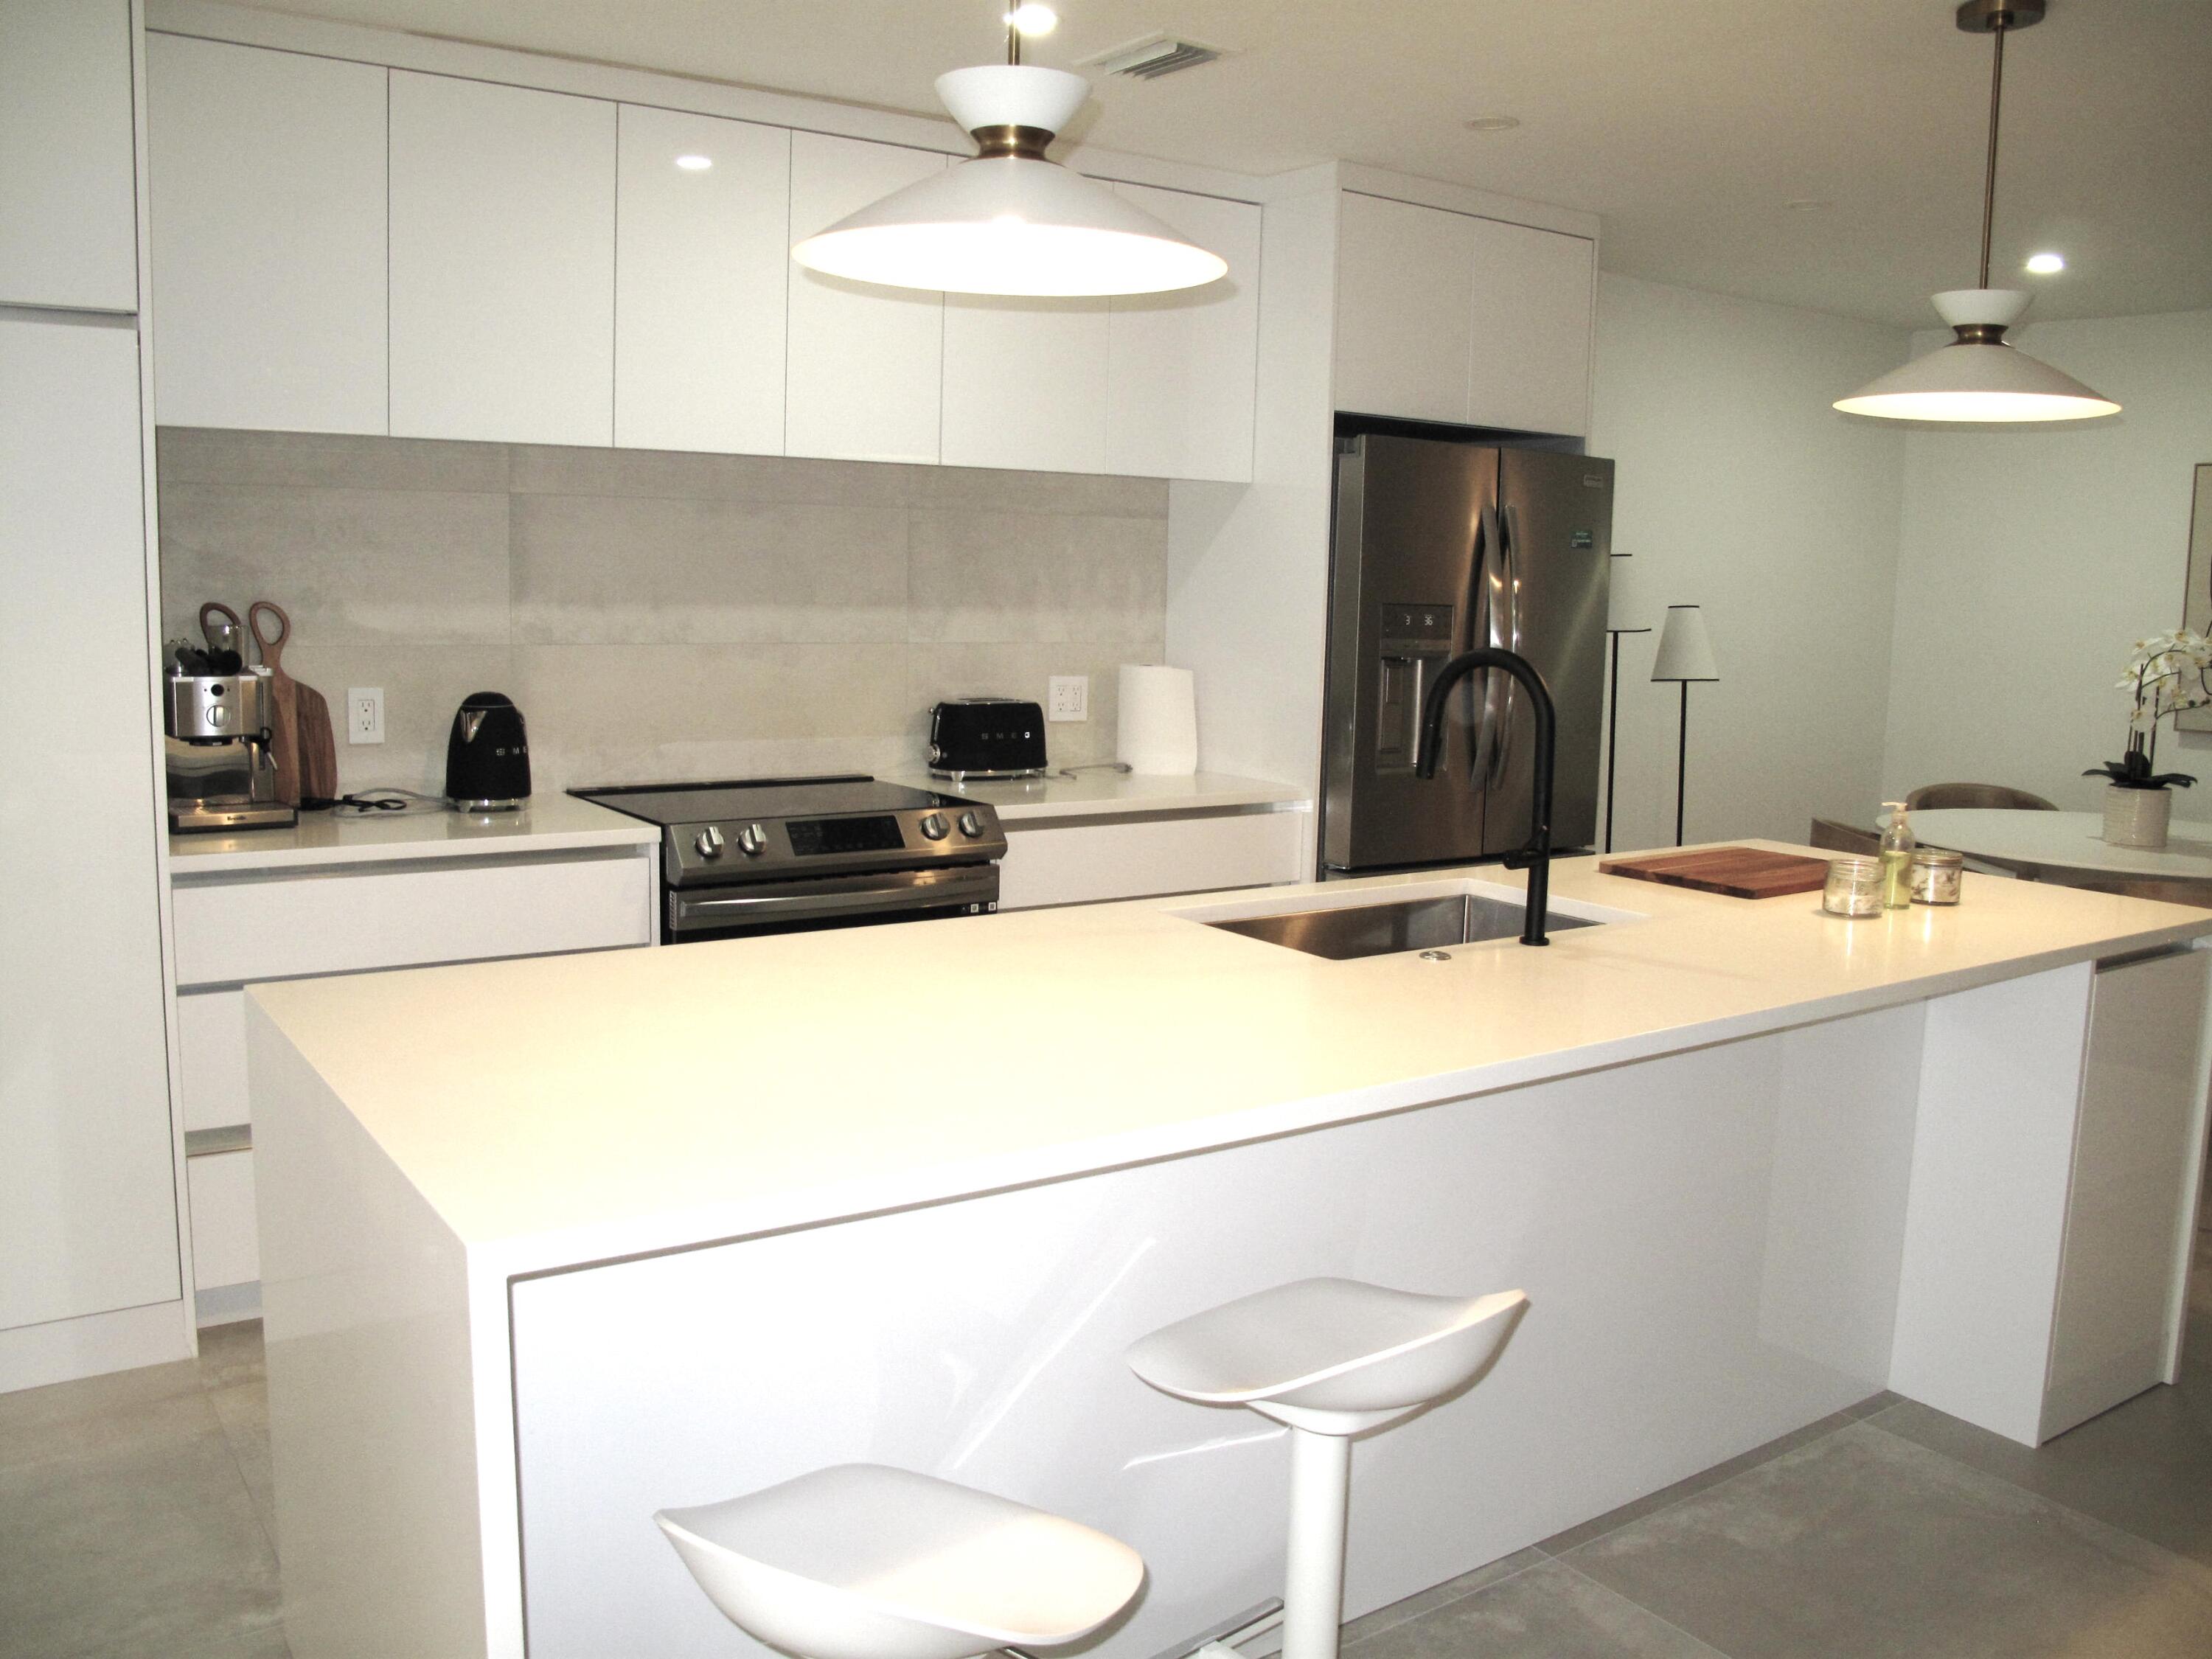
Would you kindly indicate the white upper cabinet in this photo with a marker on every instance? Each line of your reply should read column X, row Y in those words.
column 1444, row 316
column 864, row 372
column 268, row 205
column 502, row 263
column 1183, row 367
column 1404, row 309
column 702, row 265
column 68, row 213
column 1530, row 367
column 1025, row 382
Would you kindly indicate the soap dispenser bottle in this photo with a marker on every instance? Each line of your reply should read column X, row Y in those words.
column 1897, row 844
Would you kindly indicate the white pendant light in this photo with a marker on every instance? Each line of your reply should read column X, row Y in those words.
column 1979, row 375
column 1009, row 220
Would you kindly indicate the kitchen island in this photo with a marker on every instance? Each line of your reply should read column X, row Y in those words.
column 550, row 1244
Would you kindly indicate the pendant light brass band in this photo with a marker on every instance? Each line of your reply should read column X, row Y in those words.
column 1028, row 143
column 1979, row 333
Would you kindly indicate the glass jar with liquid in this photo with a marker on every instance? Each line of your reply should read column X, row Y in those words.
column 1897, row 850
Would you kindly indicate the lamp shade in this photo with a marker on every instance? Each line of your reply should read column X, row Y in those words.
column 1010, row 223
column 1686, row 652
column 1979, row 375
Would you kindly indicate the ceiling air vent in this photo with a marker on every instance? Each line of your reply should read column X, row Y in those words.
column 1153, row 56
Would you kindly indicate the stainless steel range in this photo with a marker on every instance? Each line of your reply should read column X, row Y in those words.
column 780, row 856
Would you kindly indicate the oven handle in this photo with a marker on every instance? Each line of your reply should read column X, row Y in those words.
column 913, row 889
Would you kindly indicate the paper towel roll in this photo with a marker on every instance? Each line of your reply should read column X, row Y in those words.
column 1159, row 731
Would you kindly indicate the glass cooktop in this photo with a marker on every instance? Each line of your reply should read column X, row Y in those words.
column 759, row 798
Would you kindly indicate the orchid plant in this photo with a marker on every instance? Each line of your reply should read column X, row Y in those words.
column 2169, row 672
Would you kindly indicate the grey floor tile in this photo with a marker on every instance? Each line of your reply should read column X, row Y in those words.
column 140, row 1536
column 1872, row 1404
column 2145, row 1466
column 1450, row 1590
column 1613, row 1520
column 231, row 1353
column 1548, row 1611
column 242, row 1410
column 1863, row 1543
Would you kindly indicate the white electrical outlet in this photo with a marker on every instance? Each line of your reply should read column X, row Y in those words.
column 365, row 714
column 1067, row 697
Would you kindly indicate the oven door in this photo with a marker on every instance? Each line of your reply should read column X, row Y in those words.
column 792, row 907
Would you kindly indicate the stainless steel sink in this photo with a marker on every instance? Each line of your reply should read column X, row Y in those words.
column 1348, row 930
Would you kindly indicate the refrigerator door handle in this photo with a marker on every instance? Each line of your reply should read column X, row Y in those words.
column 1483, row 630
column 1502, row 696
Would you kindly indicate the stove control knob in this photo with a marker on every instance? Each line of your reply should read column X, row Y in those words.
column 970, row 825
column 934, row 826
column 752, row 841
column 709, row 843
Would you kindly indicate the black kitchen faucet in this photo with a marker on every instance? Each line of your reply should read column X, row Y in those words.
column 1536, row 857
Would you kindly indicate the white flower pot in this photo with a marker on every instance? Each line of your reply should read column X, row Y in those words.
column 2136, row 817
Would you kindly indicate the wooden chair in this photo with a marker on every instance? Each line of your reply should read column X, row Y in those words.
column 1940, row 797
column 1835, row 837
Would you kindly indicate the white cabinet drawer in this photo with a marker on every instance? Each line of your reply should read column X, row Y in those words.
column 1083, row 863
column 229, row 932
column 226, row 1249
column 211, row 1054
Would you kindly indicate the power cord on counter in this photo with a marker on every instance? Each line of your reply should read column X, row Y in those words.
column 1094, row 766
column 375, row 800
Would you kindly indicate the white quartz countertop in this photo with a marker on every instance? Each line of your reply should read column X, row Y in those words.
column 547, row 824
column 1115, row 794
column 571, row 1108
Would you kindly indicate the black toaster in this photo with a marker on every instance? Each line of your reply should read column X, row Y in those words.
column 986, row 737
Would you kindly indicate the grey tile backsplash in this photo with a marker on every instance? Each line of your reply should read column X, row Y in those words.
column 660, row 615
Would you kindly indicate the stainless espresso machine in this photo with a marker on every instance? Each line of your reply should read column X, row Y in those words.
column 222, row 774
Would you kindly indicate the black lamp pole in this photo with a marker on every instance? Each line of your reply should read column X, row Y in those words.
column 1682, row 764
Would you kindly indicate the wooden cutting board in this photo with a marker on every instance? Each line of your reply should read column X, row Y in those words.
column 1732, row 871
column 301, row 743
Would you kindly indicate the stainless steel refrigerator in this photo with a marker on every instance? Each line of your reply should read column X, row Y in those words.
column 1440, row 547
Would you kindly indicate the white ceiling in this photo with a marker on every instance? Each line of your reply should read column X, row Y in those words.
column 1688, row 126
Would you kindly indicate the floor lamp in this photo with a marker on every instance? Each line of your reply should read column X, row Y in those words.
column 1685, row 654
column 1613, row 716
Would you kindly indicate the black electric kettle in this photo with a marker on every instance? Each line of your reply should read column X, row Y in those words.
column 488, row 756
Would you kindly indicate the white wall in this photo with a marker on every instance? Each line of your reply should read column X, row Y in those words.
column 2031, row 560
column 1740, row 490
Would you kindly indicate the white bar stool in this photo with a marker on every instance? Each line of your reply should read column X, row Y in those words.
column 1332, row 1358
column 863, row 1562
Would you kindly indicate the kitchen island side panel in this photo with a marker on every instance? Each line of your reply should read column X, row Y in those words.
column 372, row 1414
column 1711, row 1241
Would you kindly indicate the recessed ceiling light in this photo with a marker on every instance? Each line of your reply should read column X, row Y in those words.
column 1492, row 124
column 1810, row 204
column 2046, row 265
column 694, row 163
column 1033, row 19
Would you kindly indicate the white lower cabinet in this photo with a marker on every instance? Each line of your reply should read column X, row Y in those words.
column 2133, row 1192
column 1087, row 860
column 232, row 930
